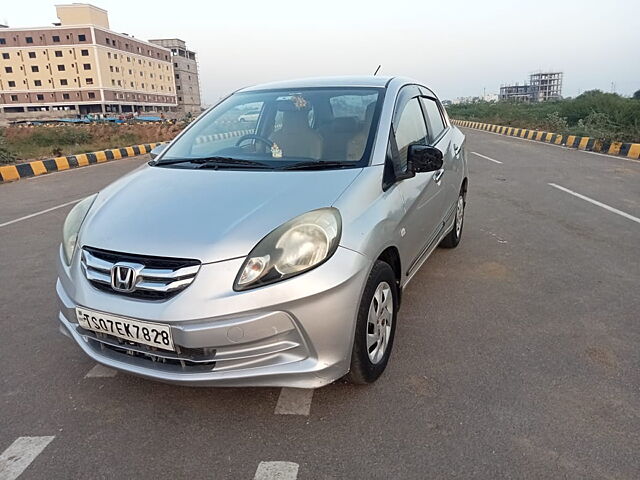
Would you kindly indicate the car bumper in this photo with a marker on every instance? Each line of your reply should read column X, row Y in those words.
column 295, row 333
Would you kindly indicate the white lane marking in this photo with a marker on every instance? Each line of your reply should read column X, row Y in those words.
column 595, row 202
column 42, row 212
column 294, row 401
column 485, row 157
column 276, row 471
column 100, row 371
column 15, row 459
column 615, row 157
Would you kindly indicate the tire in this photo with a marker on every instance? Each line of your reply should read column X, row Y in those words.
column 367, row 362
column 453, row 237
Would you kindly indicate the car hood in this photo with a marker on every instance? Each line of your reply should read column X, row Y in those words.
column 209, row 215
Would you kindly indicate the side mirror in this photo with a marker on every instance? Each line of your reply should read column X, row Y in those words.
column 157, row 151
column 424, row 158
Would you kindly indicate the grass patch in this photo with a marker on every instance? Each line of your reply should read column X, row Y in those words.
column 606, row 117
column 22, row 144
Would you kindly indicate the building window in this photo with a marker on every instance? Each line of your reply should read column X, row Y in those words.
column 61, row 68
column 84, row 53
column 143, row 85
column 14, row 98
column 37, row 83
column 111, row 68
column 86, row 66
column 5, row 56
column 89, row 81
column 178, row 87
column 34, row 69
column 58, row 53
column 175, row 65
column 29, row 39
column 117, row 69
column 131, row 84
column 113, row 82
column 92, row 95
column 179, row 99
column 2, row 41
column 115, row 55
column 130, row 72
column 108, row 41
column 56, row 38
column 65, row 96
column 32, row 54
column 82, row 38
column 119, row 83
column 40, row 96
column 128, row 59
column 108, row 54
column 8, row 69
column 64, row 82
column 11, row 83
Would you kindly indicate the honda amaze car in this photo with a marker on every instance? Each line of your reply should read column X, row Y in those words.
column 268, row 252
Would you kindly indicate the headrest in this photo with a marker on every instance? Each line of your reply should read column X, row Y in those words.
column 345, row 125
column 368, row 116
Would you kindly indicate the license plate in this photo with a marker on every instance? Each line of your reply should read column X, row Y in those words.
column 149, row 333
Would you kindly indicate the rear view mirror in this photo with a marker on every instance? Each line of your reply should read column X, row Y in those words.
column 157, row 151
column 424, row 158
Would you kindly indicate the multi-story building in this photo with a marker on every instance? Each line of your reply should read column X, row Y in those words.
column 185, row 67
column 546, row 86
column 515, row 92
column 79, row 66
column 543, row 86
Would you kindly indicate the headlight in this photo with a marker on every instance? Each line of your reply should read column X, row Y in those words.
column 293, row 248
column 72, row 226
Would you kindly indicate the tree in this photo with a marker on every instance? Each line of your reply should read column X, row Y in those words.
column 637, row 95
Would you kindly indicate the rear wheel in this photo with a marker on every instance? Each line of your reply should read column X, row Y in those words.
column 375, row 326
column 453, row 237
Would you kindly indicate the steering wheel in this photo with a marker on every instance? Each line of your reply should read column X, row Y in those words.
column 252, row 136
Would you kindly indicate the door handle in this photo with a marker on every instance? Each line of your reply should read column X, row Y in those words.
column 457, row 149
column 437, row 176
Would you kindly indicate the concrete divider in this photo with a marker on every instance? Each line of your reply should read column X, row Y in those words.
column 10, row 173
column 628, row 150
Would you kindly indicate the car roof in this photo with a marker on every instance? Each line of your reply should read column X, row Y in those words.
column 345, row 81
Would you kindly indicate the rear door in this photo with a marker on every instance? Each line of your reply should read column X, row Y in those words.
column 424, row 199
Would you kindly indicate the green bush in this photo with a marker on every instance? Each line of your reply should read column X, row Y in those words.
column 60, row 136
column 605, row 116
column 6, row 155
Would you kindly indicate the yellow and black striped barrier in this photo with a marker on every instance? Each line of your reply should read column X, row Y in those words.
column 10, row 173
column 628, row 150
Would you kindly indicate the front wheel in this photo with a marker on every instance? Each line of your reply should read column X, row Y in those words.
column 375, row 326
column 453, row 237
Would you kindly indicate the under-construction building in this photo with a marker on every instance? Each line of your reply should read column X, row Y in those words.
column 542, row 86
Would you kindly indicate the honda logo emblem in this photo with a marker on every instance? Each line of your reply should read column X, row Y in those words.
column 123, row 277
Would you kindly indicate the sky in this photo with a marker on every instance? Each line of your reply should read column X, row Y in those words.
column 457, row 47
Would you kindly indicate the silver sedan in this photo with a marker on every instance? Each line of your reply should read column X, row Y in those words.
column 269, row 251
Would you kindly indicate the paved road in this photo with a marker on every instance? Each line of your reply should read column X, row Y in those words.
column 517, row 355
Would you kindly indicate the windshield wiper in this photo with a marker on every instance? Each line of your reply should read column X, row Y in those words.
column 318, row 164
column 213, row 162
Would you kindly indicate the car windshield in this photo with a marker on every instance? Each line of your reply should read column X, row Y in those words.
column 290, row 129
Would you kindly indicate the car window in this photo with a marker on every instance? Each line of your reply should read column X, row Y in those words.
column 434, row 118
column 410, row 130
column 279, row 128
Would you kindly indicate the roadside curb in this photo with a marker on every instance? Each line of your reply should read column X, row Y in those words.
column 10, row 173
column 620, row 149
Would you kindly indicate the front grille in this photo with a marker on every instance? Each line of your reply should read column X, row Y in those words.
column 184, row 359
column 158, row 277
